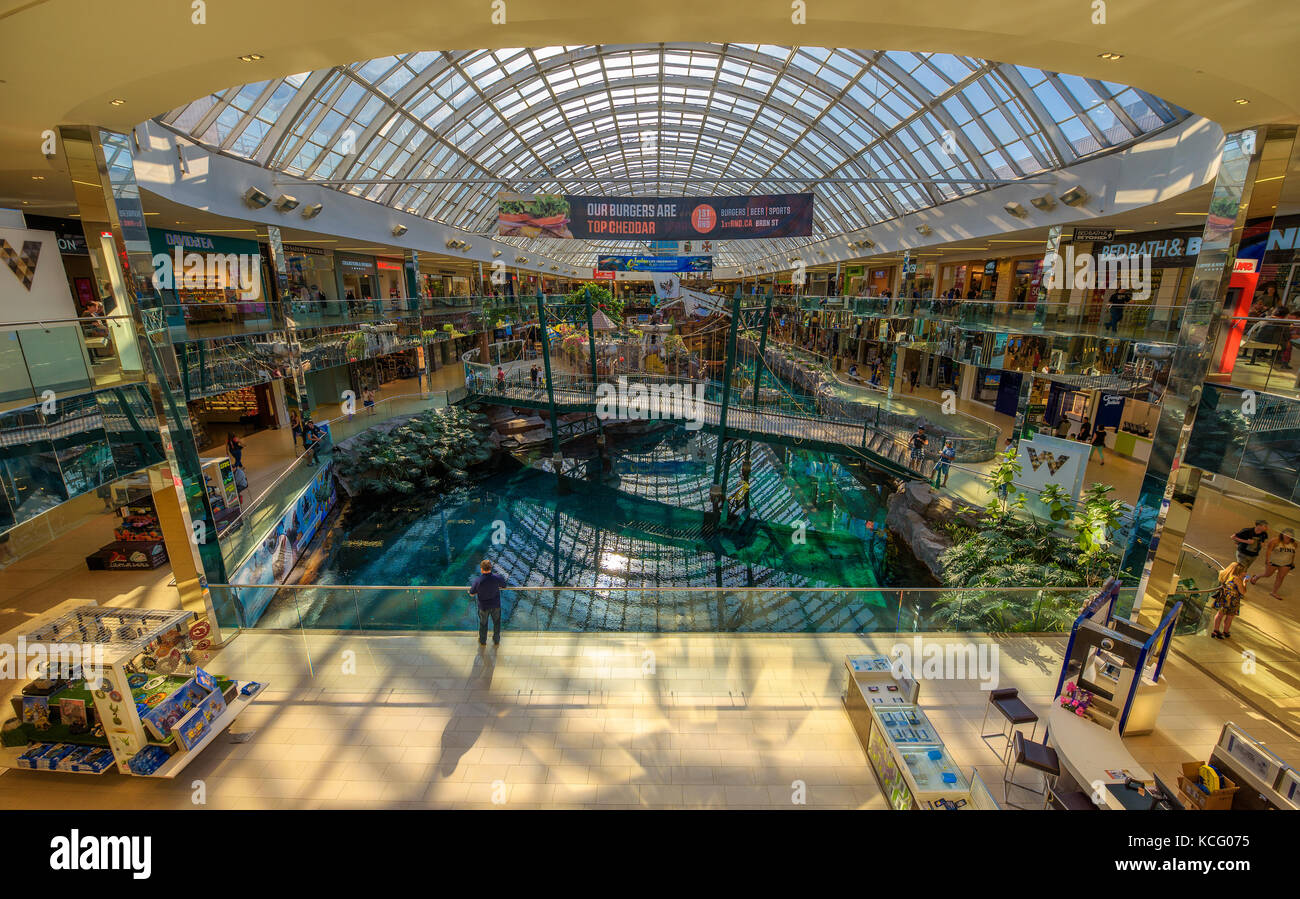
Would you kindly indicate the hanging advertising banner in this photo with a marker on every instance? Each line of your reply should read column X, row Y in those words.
column 654, row 218
column 654, row 263
column 598, row 275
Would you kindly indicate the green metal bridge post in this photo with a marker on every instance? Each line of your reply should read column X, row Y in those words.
column 760, row 365
column 591, row 347
column 717, row 493
column 550, row 384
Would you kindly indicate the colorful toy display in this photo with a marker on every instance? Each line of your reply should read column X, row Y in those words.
column 149, row 760
column 36, row 711
column 72, row 712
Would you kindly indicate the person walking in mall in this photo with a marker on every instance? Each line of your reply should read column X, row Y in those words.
column 1085, row 432
column 1099, row 445
column 486, row 589
column 946, row 455
column 1249, row 542
column 1227, row 598
column 235, row 449
column 918, row 442
column 1279, row 559
column 368, row 399
column 1117, row 301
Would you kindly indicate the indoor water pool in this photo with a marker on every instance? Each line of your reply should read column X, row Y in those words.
column 632, row 549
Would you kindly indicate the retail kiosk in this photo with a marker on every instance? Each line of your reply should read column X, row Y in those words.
column 1117, row 664
column 1110, row 686
column 909, row 759
column 120, row 688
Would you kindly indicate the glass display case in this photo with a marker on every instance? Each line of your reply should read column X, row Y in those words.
column 903, row 746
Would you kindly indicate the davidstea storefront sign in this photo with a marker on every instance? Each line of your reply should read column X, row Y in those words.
column 184, row 261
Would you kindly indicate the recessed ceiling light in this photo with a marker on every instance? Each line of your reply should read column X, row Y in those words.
column 116, row 102
column 1241, row 101
column 38, row 177
column 1111, row 56
column 250, row 57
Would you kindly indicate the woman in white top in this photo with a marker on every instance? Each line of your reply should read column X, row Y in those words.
column 1279, row 559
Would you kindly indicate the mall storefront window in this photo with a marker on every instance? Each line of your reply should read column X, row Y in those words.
column 216, row 283
column 358, row 279
column 313, row 283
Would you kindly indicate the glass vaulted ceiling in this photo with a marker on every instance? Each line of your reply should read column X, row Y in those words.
column 673, row 119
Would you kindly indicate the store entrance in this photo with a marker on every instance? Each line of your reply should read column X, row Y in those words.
column 242, row 412
column 357, row 289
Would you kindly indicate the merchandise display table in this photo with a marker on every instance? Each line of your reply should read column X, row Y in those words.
column 1092, row 754
column 909, row 759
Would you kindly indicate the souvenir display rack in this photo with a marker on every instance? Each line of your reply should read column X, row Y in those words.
column 151, row 706
column 137, row 540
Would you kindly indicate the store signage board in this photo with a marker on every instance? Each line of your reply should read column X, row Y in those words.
column 570, row 217
column 655, row 263
column 1051, row 460
column 1245, row 266
column 296, row 250
column 72, row 240
column 598, row 275
column 33, row 283
column 362, row 265
column 1093, row 234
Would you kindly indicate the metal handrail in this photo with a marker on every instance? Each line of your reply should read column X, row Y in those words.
column 540, row 588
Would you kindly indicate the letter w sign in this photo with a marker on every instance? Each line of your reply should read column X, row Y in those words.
column 1054, row 461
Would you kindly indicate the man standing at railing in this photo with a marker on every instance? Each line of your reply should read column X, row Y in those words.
column 501, row 379
column 919, row 442
column 486, row 589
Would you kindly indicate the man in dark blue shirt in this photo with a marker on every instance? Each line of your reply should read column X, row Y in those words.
column 487, row 590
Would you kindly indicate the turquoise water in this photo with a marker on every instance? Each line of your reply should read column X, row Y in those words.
column 812, row 522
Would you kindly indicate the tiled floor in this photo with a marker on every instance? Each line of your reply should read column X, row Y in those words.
column 586, row 720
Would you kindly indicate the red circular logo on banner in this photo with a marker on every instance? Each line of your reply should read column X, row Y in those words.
column 703, row 218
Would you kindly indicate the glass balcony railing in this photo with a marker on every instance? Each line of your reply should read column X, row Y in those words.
column 1140, row 321
column 1262, row 357
column 40, row 361
column 895, row 610
column 1251, row 436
